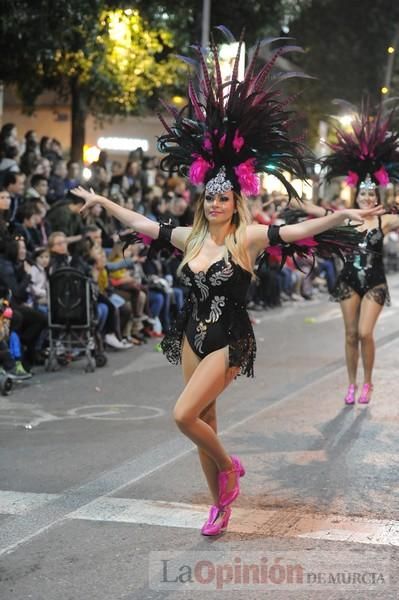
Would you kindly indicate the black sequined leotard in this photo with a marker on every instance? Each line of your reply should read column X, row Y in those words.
column 214, row 316
column 364, row 272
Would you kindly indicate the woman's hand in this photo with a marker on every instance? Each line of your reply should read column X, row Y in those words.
column 359, row 214
column 90, row 198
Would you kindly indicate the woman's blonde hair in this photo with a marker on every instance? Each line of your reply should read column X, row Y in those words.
column 235, row 241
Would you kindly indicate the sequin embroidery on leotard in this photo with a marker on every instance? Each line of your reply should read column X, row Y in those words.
column 214, row 316
column 363, row 272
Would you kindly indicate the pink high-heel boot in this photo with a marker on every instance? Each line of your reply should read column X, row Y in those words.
column 350, row 394
column 225, row 497
column 365, row 396
column 210, row 527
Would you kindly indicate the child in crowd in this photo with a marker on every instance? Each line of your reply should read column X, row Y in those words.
column 39, row 279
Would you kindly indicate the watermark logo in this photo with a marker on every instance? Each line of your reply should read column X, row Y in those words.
column 228, row 571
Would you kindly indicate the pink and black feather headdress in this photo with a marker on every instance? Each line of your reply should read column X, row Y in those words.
column 367, row 155
column 230, row 132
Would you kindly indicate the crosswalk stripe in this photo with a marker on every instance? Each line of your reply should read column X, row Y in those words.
column 292, row 523
column 266, row 523
column 19, row 503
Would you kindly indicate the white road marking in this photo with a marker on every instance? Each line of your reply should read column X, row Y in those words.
column 115, row 412
column 19, row 503
column 21, row 416
column 268, row 523
column 158, row 513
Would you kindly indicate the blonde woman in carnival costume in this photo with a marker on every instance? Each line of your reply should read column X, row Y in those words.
column 223, row 141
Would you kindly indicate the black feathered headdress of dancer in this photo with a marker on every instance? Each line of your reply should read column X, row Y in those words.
column 368, row 156
column 230, row 132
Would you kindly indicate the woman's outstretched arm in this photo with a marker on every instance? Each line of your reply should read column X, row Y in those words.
column 258, row 239
column 130, row 218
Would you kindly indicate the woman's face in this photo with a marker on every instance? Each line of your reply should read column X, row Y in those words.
column 219, row 208
column 5, row 200
column 367, row 198
column 43, row 260
column 21, row 250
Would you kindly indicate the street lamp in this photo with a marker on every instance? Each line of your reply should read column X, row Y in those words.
column 345, row 120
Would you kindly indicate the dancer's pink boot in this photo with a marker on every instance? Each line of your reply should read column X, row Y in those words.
column 350, row 394
column 215, row 525
column 365, row 396
column 227, row 497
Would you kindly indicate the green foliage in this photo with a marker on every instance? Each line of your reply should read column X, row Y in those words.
column 116, row 59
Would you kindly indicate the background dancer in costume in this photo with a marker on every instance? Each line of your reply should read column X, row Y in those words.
column 368, row 157
column 232, row 136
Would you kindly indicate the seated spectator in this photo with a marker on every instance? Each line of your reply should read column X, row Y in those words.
column 38, row 189
column 126, row 284
column 175, row 212
column 43, row 168
column 157, row 209
column 29, row 218
column 60, row 256
column 39, row 279
column 56, row 184
column 30, row 158
column 9, row 135
column 8, row 162
column 99, row 179
column 42, row 231
column 45, row 146
column 134, row 174
column 65, row 217
column 72, row 179
column 119, row 183
column 9, row 365
column 27, row 322
column 116, row 326
column 94, row 233
column 102, row 161
column 14, row 184
column 5, row 203
column 97, row 217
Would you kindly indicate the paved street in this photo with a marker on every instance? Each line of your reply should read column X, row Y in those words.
column 102, row 498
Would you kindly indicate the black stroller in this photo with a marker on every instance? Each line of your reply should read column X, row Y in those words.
column 72, row 321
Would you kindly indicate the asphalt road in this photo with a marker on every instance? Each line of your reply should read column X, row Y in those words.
column 102, row 498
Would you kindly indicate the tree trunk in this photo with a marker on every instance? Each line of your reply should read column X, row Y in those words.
column 79, row 114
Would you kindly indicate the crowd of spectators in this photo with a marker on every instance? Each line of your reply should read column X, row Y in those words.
column 42, row 229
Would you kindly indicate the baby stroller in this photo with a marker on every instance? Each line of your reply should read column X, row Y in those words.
column 72, row 321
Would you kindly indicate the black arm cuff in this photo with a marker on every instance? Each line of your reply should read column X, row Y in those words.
column 273, row 233
column 165, row 231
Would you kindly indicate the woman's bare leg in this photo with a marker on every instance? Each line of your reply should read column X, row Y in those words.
column 369, row 312
column 195, row 412
column 190, row 362
column 350, row 311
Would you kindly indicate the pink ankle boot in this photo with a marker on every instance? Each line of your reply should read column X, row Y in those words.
column 365, row 396
column 227, row 497
column 350, row 394
column 210, row 527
